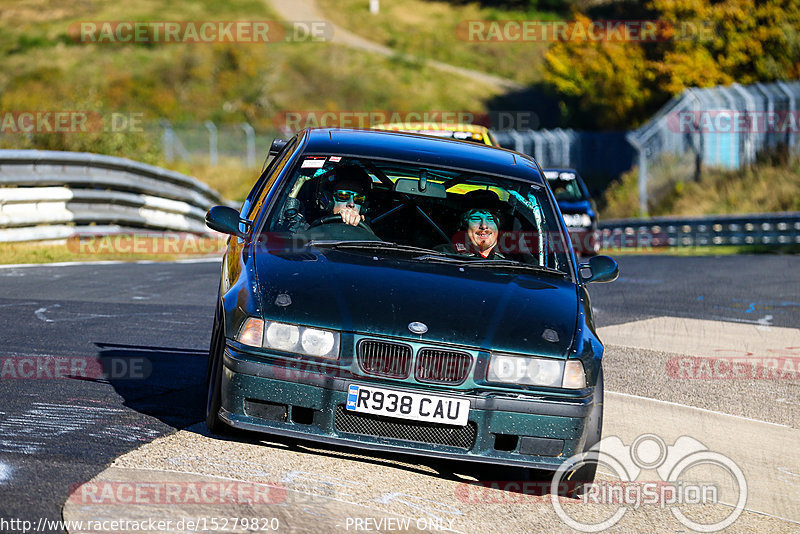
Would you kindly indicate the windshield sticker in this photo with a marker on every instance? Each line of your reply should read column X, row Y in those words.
column 567, row 176
column 335, row 159
column 313, row 162
column 551, row 175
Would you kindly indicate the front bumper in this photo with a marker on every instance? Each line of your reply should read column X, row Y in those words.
column 523, row 430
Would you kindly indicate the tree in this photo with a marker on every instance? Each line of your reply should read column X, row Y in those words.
column 698, row 43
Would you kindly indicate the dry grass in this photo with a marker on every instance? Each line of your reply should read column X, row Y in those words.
column 230, row 177
column 429, row 29
column 187, row 83
column 769, row 186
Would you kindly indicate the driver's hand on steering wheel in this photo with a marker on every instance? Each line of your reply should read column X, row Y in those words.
column 350, row 216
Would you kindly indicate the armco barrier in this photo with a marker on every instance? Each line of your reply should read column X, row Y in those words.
column 52, row 195
column 771, row 229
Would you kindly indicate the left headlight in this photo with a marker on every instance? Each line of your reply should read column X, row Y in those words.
column 288, row 337
column 510, row 369
column 527, row 370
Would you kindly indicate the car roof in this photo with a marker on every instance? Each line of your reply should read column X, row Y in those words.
column 423, row 149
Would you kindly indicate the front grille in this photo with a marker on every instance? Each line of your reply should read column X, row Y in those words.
column 444, row 366
column 381, row 358
column 462, row 437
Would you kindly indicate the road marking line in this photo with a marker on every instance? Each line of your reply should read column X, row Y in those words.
column 698, row 409
column 703, row 337
column 5, row 472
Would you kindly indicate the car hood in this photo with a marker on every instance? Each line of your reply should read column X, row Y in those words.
column 360, row 292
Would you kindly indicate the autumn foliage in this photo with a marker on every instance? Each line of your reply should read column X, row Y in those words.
column 613, row 84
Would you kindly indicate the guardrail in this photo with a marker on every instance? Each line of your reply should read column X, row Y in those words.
column 771, row 229
column 53, row 195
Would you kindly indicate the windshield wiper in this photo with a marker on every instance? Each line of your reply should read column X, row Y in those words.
column 384, row 245
column 441, row 257
column 511, row 264
column 482, row 263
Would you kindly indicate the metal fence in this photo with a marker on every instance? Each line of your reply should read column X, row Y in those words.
column 212, row 143
column 599, row 157
column 725, row 127
column 768, row 229
column 54, row 195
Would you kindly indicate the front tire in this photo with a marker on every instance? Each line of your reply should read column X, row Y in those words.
column 581, row 478
column 214, row 424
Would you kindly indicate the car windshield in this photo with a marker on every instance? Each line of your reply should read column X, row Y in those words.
column 565, row 185
column 423, row 212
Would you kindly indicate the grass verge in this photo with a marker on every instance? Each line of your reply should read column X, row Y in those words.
column 768, row 186
column 438, row 30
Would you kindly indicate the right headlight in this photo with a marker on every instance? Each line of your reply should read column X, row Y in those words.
column 287, row 337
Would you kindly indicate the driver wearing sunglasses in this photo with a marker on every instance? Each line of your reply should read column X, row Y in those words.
column 350, row 187
column 347, row 203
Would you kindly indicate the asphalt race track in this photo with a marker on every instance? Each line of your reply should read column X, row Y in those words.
column 64, row 423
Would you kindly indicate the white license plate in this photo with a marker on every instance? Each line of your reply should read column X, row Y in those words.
column 416, row 406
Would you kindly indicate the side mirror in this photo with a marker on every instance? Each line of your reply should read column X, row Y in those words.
column 226, row 220
column 600, row 269
column 276, row 146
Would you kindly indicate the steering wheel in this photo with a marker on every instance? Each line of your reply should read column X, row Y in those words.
column 331, row 219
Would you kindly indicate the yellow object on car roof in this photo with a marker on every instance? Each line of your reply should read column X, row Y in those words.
column 463, row 132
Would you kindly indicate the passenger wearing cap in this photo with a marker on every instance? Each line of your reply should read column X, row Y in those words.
column 480, row 224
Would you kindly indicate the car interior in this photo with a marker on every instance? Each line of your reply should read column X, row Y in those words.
column 413, row 205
